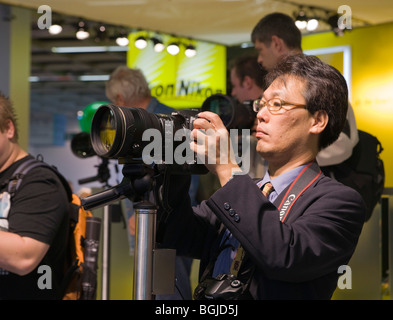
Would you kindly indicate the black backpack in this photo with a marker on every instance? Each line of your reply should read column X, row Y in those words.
column 364, row 171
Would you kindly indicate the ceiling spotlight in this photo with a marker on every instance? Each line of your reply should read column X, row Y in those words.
column 173, row 48
column 301, row 20
column 312, row 24
column 82, row 32
column 122, row 41
column 190, row 51
column 141, row 43
column 157, row 45
column 55, row 28
column 122, row 38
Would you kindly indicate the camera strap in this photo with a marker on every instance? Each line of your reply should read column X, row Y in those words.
column 304, row 179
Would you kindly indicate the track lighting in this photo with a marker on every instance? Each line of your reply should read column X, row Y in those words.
column 157, row 45
column 55, row 29
column 173, row 48
column 122, row 38
column 301, row 20
column 82, row 32
column 190, row 51
column 122, row 41
column 141, row 42
column 312, row 24
column 307, row 19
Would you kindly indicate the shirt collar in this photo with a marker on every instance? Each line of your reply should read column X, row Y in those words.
column 282, row 181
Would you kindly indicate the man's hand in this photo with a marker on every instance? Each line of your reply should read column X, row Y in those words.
column 212, row 144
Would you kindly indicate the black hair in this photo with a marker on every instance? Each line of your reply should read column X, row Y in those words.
column 325, row 89
column 280, row 25
column 247, row 65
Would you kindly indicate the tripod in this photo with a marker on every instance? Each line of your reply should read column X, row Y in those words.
column 103, row 176
column 136, row 185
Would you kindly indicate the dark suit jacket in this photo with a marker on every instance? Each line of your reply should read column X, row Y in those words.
column 296, row 259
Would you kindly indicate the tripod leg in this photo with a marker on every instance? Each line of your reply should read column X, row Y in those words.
column 145, row 215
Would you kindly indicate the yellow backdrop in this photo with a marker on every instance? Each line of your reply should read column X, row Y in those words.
column 372, row 81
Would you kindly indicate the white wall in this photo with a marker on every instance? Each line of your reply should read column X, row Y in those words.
column 72, row 167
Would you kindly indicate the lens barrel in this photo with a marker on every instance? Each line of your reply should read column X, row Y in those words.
column 117, row 131
column 233, row 114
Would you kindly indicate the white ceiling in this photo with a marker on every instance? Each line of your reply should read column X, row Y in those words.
column 227, row 22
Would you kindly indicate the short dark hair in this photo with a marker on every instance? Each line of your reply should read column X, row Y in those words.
column 325, row 89
column 7, row 113
column 247, row 65
column 280, row 25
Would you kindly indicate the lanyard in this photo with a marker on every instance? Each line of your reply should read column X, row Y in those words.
column 305, row 178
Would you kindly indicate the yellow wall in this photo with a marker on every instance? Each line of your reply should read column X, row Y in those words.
column 372, row 81
column 20, row 58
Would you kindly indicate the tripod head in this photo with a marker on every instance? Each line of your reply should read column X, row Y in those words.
column 138, row 180
column 102, row 176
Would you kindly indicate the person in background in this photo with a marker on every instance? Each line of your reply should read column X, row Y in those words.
column 276, row 36
column 34, row 223
column 128, row 87
column 247, row 78
column 248, row 82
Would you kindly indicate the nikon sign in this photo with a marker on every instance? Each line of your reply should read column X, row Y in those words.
column 179, row 81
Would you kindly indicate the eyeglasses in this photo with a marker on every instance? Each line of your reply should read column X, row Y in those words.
column 274, row 105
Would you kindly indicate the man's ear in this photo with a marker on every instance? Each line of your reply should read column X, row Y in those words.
column 119, row 100
column 247, row 82
column 277, row 44
column 10, row 129
column 319, row 121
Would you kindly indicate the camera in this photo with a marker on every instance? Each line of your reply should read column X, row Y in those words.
column 222, row 287
column 234, row 115
column 149, row 144
column 135, row 135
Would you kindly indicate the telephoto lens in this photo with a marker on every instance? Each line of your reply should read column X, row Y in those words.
column 135, row 135
column 117, row 131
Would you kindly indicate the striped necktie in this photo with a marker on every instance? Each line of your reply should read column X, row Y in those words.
column 267, row 189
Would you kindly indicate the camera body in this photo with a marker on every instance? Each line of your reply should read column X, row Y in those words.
column 222, row 287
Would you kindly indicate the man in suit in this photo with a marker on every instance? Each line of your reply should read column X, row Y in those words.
column 242, row 232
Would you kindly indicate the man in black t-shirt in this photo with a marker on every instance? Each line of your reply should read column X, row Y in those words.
column 33, row 224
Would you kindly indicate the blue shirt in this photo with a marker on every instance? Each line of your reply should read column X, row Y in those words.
column 281, row 182
column 157, row 107
column 225, row 258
